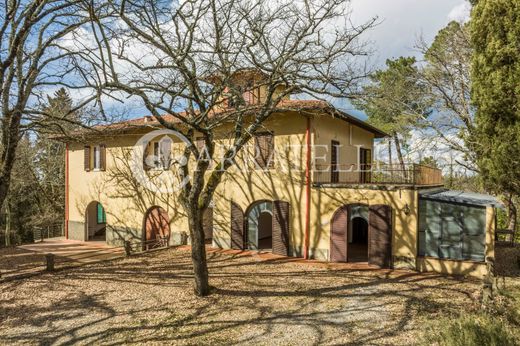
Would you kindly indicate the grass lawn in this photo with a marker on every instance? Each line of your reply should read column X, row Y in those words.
column 148, row 299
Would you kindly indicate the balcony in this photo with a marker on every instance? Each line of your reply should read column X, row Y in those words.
column 377, row 174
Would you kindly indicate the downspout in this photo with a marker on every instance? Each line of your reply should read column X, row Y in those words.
column 67, row 191
column 307, row 189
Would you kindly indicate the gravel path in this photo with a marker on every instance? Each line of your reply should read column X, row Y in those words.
column 148, row 300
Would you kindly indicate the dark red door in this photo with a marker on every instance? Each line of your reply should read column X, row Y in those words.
column 380, row 235
column 157, row 225
column 281, row 228
column 237, row 227
column 338, row 235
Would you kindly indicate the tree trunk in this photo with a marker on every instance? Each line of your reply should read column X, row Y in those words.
column 5, row 180
column 390, row 160
column 10, row 140
column 198, row 251
column 400, row 155
column 7, row 225
column 511, row 213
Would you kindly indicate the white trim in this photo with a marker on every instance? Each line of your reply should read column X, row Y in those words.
column 96, row 160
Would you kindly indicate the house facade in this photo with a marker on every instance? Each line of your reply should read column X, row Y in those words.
column 307, row 186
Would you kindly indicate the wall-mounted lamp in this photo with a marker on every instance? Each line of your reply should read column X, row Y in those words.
column 406, row 209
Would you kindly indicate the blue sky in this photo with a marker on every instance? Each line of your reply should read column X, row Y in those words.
column 401, row 24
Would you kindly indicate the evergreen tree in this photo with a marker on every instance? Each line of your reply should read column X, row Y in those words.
column 495, row 74
column 49, row 155
column 36, row 196
column 394, row 101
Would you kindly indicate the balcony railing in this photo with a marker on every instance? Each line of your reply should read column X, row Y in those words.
column 411, row 174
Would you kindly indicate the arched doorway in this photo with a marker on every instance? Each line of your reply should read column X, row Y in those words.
column 362, row 233
column 358, row 242
column 156, row 225
column 259, row 221
column 95, row 222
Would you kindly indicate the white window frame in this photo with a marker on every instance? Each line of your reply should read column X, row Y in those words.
column 159, row 154
column 96, row 155
column 156, row 155
column 162, row 155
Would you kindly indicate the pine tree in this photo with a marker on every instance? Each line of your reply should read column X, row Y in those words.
column 394, row 101
column 49, row 156
column 495, row 73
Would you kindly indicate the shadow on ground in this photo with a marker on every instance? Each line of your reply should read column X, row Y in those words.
column 148, row 299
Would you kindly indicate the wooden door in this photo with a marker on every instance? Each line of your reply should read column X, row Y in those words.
column 380, row 235
column 338, row 235
column 365, row 165
column 280, row 229
column 334, row 161
column 157, row 224
column 237, row 227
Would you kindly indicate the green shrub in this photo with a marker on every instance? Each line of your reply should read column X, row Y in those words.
column 477, row 330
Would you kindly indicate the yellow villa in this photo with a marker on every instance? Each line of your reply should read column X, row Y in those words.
column 307, row 186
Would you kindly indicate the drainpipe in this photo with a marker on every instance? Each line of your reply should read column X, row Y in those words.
column 307, row 189
column 67, row 191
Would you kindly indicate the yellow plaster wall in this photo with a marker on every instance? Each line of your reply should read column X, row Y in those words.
column 325, row 201
column 452, row 267
column 126, row 202
column 350, row 137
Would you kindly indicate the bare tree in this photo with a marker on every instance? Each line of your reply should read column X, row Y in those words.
column 182, row 58
column 447, row 74
column 32, row 62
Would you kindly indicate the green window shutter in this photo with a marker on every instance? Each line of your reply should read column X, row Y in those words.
column 101, row 216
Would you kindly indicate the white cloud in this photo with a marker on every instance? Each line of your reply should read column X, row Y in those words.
column 460, row 12
column 402, row 23
column 422, row 144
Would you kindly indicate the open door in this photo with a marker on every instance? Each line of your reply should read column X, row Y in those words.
column 338, row 235
column 237, row 227
column 380, row 235
column 281, row 228
column 365, row 165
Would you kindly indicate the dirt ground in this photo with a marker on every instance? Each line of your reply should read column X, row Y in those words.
column 29, row 259
column 16, row 261
column 148, row 299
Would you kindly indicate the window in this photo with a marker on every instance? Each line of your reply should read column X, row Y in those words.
column 156, row 155
column 264, row 150
column 365, row 162
column 97, row 158
column 452, row 231
column 162, row 150
column 101, row 216
column 250, row 94
column 334, row 161
column 165, row 146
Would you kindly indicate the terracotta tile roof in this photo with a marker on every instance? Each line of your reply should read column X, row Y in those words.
column 284, row 105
